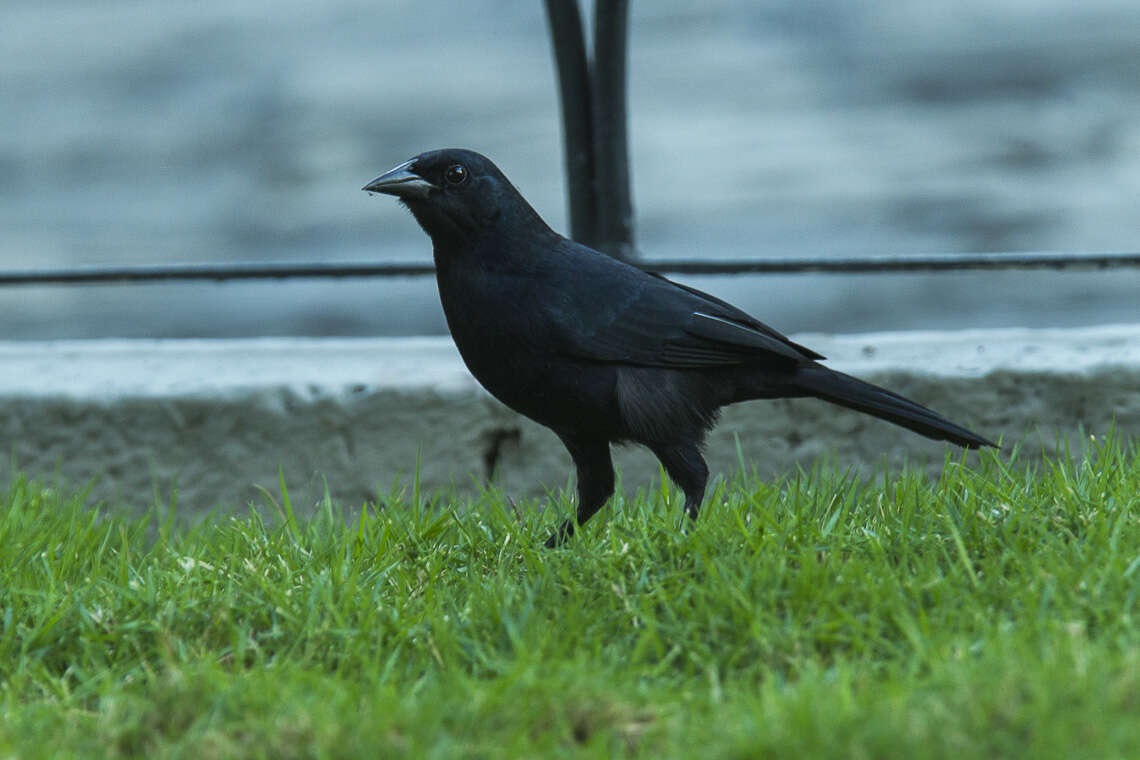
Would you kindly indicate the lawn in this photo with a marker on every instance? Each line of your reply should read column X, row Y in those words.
column 988, row 613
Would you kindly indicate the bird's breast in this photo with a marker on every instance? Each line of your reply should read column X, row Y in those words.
column 504, row 333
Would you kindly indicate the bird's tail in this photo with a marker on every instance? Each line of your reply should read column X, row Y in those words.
column 853, row 393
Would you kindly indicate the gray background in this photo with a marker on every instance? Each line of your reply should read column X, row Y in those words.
column 139, row 132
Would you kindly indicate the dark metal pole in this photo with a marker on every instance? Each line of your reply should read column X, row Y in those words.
column 567, row 37
column 611, row 146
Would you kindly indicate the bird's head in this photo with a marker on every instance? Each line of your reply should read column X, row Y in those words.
column 456, row 195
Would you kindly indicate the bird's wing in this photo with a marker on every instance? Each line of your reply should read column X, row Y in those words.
column 729, row 311
column 653, row 322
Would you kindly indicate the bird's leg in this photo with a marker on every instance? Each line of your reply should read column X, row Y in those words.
column 687, row 468
column 595, row 483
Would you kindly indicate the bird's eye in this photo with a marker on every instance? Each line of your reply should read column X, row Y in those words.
column 456, row 174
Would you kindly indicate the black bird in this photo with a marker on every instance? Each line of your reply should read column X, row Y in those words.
column 598, row 350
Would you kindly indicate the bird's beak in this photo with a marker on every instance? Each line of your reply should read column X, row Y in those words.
column 401, row 182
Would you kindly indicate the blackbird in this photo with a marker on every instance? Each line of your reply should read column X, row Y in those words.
column 599, row 351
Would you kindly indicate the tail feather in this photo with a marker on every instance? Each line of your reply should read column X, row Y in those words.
column 853, row 393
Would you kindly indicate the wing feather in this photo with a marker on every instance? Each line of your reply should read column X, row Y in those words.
column 660, row 323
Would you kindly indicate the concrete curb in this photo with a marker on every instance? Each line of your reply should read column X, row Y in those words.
column 212, row 419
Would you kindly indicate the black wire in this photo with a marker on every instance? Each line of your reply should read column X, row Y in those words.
column 334, row 270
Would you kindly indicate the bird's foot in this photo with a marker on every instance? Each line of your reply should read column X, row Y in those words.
column 561, row 536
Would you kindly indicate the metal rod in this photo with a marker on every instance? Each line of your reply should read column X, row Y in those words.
column 611, row 138
column 920, row 263
column 215, row 272
column 571, row 63
column 332, row 270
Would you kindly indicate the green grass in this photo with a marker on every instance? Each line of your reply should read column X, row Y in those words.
column 990, row 613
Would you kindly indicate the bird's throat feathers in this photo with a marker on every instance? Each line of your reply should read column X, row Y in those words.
column 491, row 245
